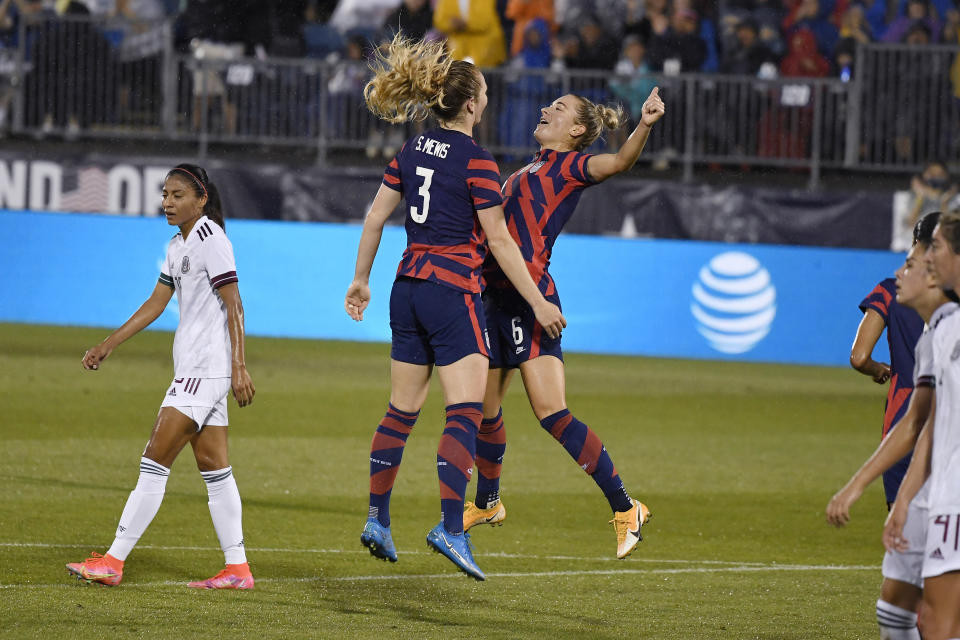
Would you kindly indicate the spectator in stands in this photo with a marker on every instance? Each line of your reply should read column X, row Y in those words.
column 364, row 17
column 633, row 83
column 769, row 15
column 814, row 16
column 680, row 48
column 647, row 18
column 524, row 94
column 473, row 30
column 608, row 15
column 930, row 191
column 68, row 87
column 10, row 16
column 749, row 52
column 596, row 49
column 345, row 86
column 854, row 25
column 522, row 12
column 804, row 59
column 413, row 18
column 918, row 12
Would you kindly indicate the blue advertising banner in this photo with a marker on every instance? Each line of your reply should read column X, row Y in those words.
column 639, row 297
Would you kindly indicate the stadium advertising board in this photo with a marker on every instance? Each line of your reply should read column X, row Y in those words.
column 639, row 297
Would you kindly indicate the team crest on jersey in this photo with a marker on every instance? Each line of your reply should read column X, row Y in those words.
column 536, row 165
column 185, row 265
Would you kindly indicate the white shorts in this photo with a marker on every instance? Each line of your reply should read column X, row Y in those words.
column 942, row 552
column 204, row 400
column 907, row 566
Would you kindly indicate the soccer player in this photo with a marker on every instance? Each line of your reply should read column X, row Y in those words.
column 901, row 590
column 882, row 311
column 539, row 199
column 208, row 361
column 452, row 191
column 936, row 459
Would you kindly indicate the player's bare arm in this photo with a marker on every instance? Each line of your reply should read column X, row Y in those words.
column 604, row 165
column 916, row 475
column 898, row 443
column 358, row 293
column 508, row 256
column 861, row 354
column 149, row 311
column 240, row 380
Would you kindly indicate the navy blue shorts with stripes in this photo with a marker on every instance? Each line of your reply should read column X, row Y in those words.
column 435, row 324
column 515, row 335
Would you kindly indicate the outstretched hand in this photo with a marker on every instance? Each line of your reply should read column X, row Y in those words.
column 653, row 108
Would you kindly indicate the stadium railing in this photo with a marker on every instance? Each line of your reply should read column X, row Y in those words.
column 84, row 78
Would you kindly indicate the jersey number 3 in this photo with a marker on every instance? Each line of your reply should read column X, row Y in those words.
column 424, row 191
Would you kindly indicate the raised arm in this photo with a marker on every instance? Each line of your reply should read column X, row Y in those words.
column 508, row 256
column 898, row 443
column 240, row 380
column 603, row 165
column 917, row 474
column 358, row 293
column 861, row 354
column 142, row 317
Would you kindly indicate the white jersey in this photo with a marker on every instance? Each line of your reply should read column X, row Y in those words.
column 944, row 478
column 196, row 267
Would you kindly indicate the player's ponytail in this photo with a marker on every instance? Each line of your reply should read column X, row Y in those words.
column 596, row 118
column 202, row 187
column 414, row 77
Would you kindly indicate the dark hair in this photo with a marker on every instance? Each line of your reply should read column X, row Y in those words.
column 202, row 186
column 923, row 230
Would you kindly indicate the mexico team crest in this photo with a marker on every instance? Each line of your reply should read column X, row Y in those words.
column 185, row 265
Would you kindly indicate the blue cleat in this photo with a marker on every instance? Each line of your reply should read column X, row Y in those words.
column 378, row 540
column 457, row 548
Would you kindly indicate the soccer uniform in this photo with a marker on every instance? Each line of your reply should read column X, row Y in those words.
column 942, row 552
column 907, row 566
column 904, row 326
column 539, row 199
column 196, row 267
column 435, row 305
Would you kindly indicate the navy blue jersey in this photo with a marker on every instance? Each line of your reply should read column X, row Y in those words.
column 445, row 178
column 904, row 326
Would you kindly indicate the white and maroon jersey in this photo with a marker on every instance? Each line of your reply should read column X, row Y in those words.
column 944, row 478
column 195, row 268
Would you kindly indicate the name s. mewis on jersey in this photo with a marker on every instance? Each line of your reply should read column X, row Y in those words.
column 432, row 147
column 196, row 267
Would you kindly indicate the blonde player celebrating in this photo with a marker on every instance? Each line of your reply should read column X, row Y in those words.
column 901, row 591
column 208, row 361
column 936, row 459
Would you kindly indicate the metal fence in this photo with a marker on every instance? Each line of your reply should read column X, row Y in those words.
column 80, row 78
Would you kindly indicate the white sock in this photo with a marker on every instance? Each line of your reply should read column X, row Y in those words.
column 896, row 623
column 141, row 507
column 226, row 511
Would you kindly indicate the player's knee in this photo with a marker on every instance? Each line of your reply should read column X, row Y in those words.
column 210, row 461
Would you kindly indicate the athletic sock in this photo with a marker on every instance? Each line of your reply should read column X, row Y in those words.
column 455, row 458
column 141, row 507
column 896, row 623
column 386, row 451
column 226, row 512
column 585, row 447
column 491, row 445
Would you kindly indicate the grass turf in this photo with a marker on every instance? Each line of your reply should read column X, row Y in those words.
column 735, row 460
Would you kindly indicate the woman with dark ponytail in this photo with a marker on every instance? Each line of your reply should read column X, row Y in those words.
column 208, row 361
column 550, row 186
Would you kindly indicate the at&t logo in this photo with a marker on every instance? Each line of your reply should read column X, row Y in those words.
column 734, row 302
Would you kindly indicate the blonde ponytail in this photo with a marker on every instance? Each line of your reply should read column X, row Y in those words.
column 596, row 118
column 415, row 77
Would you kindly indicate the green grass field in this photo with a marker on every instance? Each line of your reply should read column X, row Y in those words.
column 736, row 461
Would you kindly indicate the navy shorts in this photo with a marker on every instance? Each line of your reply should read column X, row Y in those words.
column 435, row 324
column 515, row 335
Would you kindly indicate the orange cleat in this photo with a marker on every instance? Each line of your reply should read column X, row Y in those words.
column 98, row 569
column 234, row 576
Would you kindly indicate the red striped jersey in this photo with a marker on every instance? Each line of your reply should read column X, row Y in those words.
column 904, row 326
column 538, row 201
column 445, row 178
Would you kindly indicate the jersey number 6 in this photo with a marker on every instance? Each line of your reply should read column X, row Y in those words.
column 424, row 192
